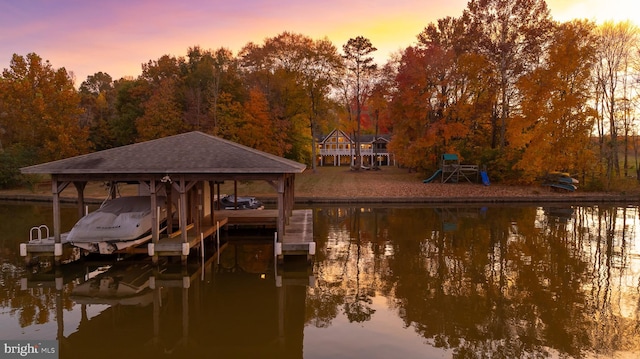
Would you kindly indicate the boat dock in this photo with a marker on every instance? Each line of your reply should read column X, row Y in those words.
column 297, row 240
column 182, row 173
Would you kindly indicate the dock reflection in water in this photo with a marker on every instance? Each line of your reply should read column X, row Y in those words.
column 134, row 309
column 410, row 282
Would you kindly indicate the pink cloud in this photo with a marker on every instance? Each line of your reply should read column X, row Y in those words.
column 118, row 36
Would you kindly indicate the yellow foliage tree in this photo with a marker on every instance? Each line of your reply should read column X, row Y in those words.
column 553, row 131
column 40, row 109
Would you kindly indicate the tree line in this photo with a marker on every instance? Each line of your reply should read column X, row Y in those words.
column 502, row 85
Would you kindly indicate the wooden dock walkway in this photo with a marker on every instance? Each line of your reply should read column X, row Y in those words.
column 298, row 238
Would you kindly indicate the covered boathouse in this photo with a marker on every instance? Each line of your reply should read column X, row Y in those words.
column 183, row 168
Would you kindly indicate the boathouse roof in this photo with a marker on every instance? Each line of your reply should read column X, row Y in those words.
column 187, row 153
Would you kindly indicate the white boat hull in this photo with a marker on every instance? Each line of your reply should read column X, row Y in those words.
column 120, row 223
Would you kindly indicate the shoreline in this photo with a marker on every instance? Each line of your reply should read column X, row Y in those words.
column 569, row 198
column 336, row 185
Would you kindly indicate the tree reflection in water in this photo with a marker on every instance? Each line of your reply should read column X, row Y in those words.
column 492, row 281
column 487, row 282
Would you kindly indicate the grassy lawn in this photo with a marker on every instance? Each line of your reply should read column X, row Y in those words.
column 325, row 182
column 345, row 184
column 332, row 182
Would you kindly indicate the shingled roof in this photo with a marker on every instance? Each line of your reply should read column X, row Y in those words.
column 187, row 153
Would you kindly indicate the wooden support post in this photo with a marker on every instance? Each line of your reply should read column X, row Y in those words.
column 218, row 194
column 200, row 207
column 56, row 189
column 56, row 209
column 281, row 208
column 288, row 209
column 292, row 184
column 212, row 201
column 168, row 188
column 80, row 186
column 183, row 203
column 155, row 220
column 235, row 194
column 113, row 189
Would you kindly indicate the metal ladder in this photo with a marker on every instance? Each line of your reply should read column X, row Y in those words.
column 39, row 230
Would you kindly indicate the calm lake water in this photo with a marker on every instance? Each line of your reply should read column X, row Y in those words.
column 404, row 282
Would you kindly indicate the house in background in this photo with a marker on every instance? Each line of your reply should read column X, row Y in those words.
column 338, row 149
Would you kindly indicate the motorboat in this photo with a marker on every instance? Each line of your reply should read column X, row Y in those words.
column 119, row 223
column 233, row 202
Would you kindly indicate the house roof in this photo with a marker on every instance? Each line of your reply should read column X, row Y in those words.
column 363, row 138
column 373, row 138
column 187, row 153
column 333, row 133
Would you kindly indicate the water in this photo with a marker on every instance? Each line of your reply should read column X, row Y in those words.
column 403, row 282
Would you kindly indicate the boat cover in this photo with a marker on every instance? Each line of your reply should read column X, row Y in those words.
column 119, row 219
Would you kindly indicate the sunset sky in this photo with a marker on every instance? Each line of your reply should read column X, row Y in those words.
column 117, row 36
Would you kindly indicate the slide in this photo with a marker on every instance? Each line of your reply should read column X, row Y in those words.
column 432, row 177
column 485, row 178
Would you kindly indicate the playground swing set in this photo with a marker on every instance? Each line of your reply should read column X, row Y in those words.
column 452, row 171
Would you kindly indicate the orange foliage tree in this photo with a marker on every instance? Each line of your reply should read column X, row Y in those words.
column 40, row 110
column 254, row 127
column 422, row 128
column 162, row 116
column 553, row 131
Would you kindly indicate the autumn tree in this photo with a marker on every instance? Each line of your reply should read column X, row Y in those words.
column 357, row 83
column 225, row 79
column 273, row 68
column 553, row 131
column 422, row 131
column 467, row 87
column 130, row 98
column 378, row 105
column 254, row 126
column 230, row 110
column 162, row 115
column 317, row 76
column 197, row 79
column 616, row 42
column 40, row 110
column 441, row 91
column 513, row 36
column 166, row 67
column 295, row 74
column 98, row 97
